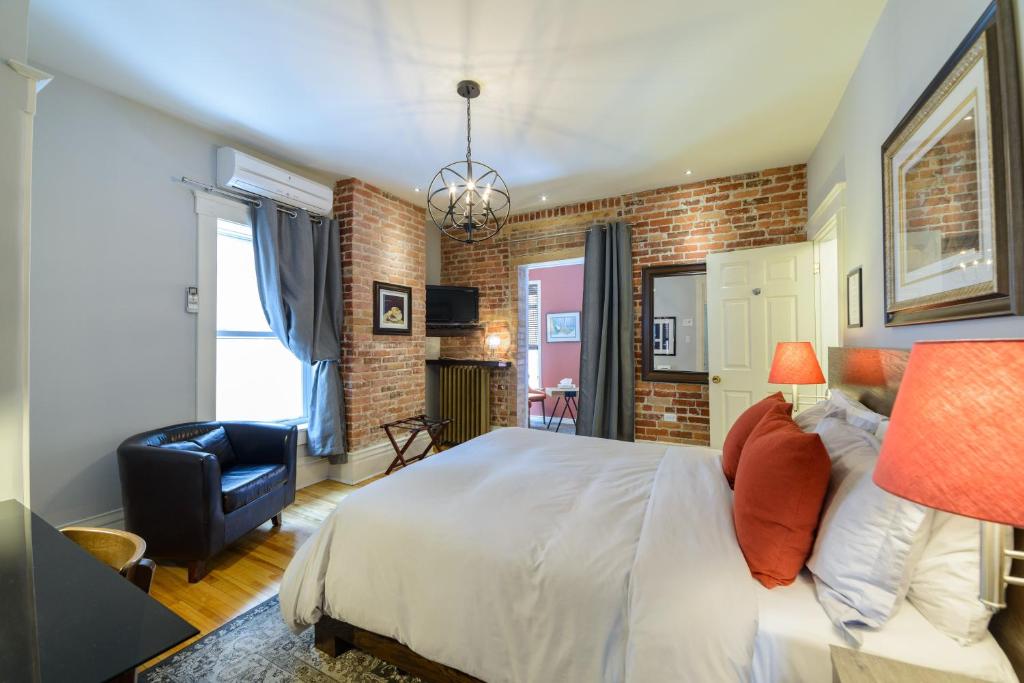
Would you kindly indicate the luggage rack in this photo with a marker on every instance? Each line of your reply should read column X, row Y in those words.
column 414, row 425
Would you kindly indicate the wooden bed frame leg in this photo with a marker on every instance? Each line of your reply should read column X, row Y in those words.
column 328, row 640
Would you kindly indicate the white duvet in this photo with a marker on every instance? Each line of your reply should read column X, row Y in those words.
column 529, row 556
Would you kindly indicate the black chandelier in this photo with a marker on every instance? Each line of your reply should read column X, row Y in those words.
column 468, row 200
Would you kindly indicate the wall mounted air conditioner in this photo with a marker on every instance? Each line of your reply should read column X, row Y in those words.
column 239, row 171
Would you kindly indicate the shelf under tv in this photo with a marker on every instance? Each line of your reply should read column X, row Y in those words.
column 453, row 330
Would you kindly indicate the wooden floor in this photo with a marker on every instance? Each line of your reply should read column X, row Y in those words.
column 250, row 570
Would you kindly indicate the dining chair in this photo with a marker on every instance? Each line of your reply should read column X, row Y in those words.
column 122, row 551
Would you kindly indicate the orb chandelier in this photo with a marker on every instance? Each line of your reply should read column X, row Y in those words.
column 468, row 200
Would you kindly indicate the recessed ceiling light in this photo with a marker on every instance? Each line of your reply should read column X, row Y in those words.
column 417, row 189
column 543, row 197
column 689, row 172
column 968, row 118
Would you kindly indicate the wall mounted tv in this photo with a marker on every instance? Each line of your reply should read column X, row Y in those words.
column 453, row 306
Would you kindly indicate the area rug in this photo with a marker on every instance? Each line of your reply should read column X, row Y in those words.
column 258, row 647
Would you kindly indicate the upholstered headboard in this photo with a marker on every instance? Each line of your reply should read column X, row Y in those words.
column 873, row 377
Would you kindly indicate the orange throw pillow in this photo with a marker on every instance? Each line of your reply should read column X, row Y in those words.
column 732, row 447
column 780, row 487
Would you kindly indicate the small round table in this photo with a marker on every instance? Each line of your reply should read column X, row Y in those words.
column 567, row 395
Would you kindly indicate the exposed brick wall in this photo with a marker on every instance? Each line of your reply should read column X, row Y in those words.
column 942, row 193
column 383, row 375
column 678, row 224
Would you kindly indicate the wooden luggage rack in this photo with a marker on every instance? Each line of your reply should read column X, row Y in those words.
column 413, row 425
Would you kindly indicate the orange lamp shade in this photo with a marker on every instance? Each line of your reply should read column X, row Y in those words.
column 956, row 436
column 795, row 363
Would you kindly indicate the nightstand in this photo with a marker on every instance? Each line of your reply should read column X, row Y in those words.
column 851, row 666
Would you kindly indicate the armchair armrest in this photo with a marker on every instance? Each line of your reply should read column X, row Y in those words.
column 172, row 498
column 263, row 443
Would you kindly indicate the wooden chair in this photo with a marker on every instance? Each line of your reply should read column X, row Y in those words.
column 535, row 396
column 122, row 551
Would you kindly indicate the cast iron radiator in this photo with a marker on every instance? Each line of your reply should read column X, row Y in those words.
column 466, row 400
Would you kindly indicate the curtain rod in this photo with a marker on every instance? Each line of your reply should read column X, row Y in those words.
column 251, row 199
column 562, row 234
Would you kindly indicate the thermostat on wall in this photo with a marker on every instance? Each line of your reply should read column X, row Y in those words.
column 191, row 299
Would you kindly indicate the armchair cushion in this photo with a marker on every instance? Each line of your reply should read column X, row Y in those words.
column 242, row 484
column 216, row 442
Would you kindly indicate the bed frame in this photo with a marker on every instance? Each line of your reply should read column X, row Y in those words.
column 873, row 377
column 335, row 637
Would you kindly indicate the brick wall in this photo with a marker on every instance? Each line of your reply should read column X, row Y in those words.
column 678, row 224
column 382, row 239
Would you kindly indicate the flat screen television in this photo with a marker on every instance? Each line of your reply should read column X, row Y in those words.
column 452, row 306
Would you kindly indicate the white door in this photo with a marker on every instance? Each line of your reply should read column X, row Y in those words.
column 756, row 298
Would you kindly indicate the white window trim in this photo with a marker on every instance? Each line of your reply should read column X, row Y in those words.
column 209, row 209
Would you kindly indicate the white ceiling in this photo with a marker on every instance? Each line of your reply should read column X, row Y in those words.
column 581, row 98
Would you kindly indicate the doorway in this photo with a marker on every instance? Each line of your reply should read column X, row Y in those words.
column 553, row 311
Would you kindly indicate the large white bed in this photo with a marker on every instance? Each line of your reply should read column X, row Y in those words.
column 529, row 556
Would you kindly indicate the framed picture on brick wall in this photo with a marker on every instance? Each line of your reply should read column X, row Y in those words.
column 953, row 187
column 392, row 309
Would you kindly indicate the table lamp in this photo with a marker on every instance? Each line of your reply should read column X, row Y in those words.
column 955, row 443
column 795, row 363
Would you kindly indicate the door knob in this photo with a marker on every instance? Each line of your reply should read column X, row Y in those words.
column 716, row 379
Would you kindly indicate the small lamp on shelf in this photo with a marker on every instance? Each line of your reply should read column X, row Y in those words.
column 955, row 444
column 493, row 344
column 795, row 363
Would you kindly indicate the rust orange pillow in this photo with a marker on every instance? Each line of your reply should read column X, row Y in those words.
column 732, row 447
column 780, row 487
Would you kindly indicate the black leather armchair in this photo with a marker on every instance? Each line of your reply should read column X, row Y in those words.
column 192, row 489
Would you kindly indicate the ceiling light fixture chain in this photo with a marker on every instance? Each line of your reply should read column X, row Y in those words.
column 468, row 200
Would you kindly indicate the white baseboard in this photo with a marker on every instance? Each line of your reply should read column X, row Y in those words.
column 107, row 520
column 372, row 460
column 310, row 470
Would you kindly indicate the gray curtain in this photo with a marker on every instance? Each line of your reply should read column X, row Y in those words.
column 298, row 268
column 607, row 400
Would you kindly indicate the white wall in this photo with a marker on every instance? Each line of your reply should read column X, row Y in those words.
column 113, row 351
column 911, row 42
column 15, row 165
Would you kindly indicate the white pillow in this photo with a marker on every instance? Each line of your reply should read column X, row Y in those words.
column 809, row 419
column 857, row 414
column 945, row 584
column 868, row 540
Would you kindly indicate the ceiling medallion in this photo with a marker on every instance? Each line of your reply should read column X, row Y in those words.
column 468, row 200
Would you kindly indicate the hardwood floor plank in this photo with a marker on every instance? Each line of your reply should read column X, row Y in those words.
column 250, row 570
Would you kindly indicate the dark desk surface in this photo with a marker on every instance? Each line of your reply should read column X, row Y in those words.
column 64, row 616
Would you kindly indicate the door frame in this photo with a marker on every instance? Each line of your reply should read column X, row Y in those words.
column 828, row 222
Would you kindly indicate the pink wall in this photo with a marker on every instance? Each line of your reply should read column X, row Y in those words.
column 561, row 291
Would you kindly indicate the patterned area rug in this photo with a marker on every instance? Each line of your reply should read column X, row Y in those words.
column 257, row 646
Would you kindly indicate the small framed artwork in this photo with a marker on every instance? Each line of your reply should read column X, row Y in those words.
column 953, row 185
column 392, row 309
column 854, row 299
column 563, row 327
column 664, row 339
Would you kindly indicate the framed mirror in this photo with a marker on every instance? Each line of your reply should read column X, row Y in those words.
column 674, row 335
column 952, row 187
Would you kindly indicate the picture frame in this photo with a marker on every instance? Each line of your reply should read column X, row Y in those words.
column 953, row 187
column 563, row 327
column 855, row 298
column 392, row 309
column 663, row 337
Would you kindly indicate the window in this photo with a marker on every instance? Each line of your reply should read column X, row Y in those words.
column 533, row 334
column 533, row 315
column 257, row 378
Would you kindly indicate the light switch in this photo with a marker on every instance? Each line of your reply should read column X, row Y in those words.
column 191, row 299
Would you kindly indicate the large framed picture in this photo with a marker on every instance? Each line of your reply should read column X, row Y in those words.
column 392, row 309
column 952, row 186
column 663, row 338
column 563, row 327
